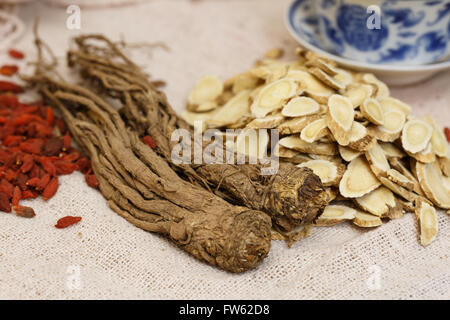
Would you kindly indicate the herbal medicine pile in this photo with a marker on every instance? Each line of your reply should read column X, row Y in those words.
column 372, row 155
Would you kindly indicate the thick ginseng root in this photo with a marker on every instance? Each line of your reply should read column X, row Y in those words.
column 273, row 96
column 438, row 140
column 358, row 179
column 340, row 118
column 377, row 160
column 377, row 202
column 360, row 139
column 431, row 180
column 366, row 220
column 314, row 131
column 296, row 143
column 334, row 214
column 428, row 224
column 358, row 94
column 372, row 111
column 415, row 135
column 330, row 173
column 300, row 106
column 394, row 122
column 205, row 91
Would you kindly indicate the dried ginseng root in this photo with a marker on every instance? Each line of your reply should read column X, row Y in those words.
column 242, row 184
column 428, row 224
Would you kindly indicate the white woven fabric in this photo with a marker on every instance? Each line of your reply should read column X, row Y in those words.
column 106, row 257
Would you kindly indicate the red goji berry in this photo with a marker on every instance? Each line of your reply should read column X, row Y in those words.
column 43, row 182
column 16, row 54
column 8, row 101
column 21, row 181
column 29, row 194
column 48, row 166
column 12, row 141
column 24, row 118
column 91, row 180
column 50, row 189
column 33, row 182
column 67, row 221
column 5, row 205
column 53, row 146
column 28, row 163
column 7, row 86
column 25, row 212
column 66, row 141
column 63, row 167
column 50, row 116
column 6, row 188
column 61, row 125
column 8, row 70
column 83, row 165
column 149, row 141
column 17, row 195
column 32, row 146
column 447, row 133
column 74, row 155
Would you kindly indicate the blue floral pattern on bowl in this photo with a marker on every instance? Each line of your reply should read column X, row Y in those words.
column 412, row 32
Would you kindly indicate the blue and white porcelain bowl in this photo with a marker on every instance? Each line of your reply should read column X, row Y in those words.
column 401, row 32
column 303, row 23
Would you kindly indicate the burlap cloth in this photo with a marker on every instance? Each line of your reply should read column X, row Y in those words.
column 105, row 257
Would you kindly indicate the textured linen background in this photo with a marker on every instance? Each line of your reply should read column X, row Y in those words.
column 117, row 260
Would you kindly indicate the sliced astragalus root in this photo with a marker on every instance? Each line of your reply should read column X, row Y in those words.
column 360, row 139
column 391, row 151
column 382, row 88
column 193, row 117
column 206, row 89
column 400, row 179
column 415, row 135
column 282, row 152
column 334, row 214
column 233, row 111
column 403, row 192
column 394, row 122
column 313, row 87
column 340, row 118
column 348, row 154
column 391, row 104
column 377, row 160
column 366, row 220
column 400, row 167
column 343, row 77
column 326, row 78
column 243, row 81
column 357, row 94
column 296, row 125
column 444, row 164
column 273, row 96
column 270, row 71
column 253, row 143
column 438, row 140
column 300, row 106
column 274, row 53
column 426, row 156
column 377, row 202
column 296, row 143
column 432, row 183
column 298, row 158
column 371, row 110
column 268, row 122
column 330, row 173
column 358, row 179
column 314, row 131
column 395, row 212
column 428, row 223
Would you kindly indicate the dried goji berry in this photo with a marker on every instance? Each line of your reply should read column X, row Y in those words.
column 66, row 141
column 7, row 86
column 21, row 181
column 49, row 116
column 28, row 163
column 50, row 189
column 16, row 54
column 17, row 195
column 8, row 70
column 447, row 133
column 43, row 182
column 24, row 118
column 32, row 146
column 5, row 205
column 29, row 194
column 48, row 166
column 149, row 141
column 74, row 155
column 6, row 188
column 61, row 125
column 11, row 141
column 53, row 146
column 25, row 212
column 63, row 167
column 67, row 221
column 91, row 180
column 8, row 101
column 83, row 165
column 33, row 182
